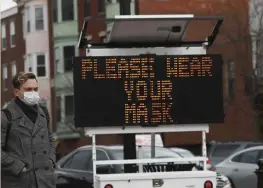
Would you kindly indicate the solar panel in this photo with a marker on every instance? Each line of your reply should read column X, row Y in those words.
column 148, row 28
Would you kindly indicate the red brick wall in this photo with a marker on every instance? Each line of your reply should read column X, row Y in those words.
column 238, row 120
column 239, row 116
column 93, row 28
column 13, row 54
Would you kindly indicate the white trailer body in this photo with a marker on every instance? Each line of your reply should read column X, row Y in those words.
column 174, row 179
column 192, row 179
column 181, row 179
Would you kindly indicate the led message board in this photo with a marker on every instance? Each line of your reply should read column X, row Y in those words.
column 148, row 90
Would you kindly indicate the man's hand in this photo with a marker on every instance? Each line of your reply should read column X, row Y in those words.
column 24, row 170
column 53, row 165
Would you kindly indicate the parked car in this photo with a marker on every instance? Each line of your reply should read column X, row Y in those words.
column 218, row 151
column 186, row 153
column 182, row 152
column 240, row 167
column 76, row 168
column 222, row 181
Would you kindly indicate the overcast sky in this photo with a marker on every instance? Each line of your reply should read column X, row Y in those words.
column 6, row 4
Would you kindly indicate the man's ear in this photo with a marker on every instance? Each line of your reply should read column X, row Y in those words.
column 16, row 92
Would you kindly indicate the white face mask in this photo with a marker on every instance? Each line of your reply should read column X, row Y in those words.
column 31, row 98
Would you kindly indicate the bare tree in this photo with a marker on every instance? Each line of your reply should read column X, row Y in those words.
column 243, row 38
column 68, row 120
column 256, row 22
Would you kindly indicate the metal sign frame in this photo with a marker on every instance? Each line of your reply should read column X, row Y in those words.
column 202, row 45
column 84, row 43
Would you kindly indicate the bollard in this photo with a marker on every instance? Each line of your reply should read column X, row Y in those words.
column 259, row 173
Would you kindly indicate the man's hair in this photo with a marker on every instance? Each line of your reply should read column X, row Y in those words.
column 21, row 78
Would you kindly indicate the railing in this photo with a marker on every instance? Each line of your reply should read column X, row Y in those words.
column 144, row 161
column 150, row 164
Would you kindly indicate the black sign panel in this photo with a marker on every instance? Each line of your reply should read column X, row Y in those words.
column 148, row 90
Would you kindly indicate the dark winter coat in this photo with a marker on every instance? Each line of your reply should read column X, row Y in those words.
column 29, row 145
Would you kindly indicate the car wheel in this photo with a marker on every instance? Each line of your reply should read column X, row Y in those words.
column 232, row 184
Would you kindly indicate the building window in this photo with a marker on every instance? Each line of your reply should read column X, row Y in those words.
column 12, row 34
column 86, row 8
column 24, row 23
column 27, row 20
column 68, row 53
column 69, row 105
column 101, row 6
column 67, row 10
column 58, row 109
column 231, row 79
column 55, row 10
column 4, row 79
column 57, row 60
column 41, row 65
column 13, row 68
column 29, row 63
column 4, row 44
column 39, row 18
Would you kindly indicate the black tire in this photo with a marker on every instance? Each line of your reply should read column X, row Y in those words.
column 232, row 184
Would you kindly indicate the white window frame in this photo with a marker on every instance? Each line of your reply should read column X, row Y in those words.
column 45, row 64
column 59, row 56
column 61, row 60
column 56, row 12
column 3, row 36
column 31, row 62
column 13, row 68
column 25, row 63
column 41, row 19
column 5, row 77
column 24, row 23
column 28, row 22
column 12, row 34
column 28, row 63
column 67, row 11
column 59, row 11
column 57, row 59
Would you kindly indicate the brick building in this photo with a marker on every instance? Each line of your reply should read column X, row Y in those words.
column 92, row 9
column 12, row 50
column 65, row 23
column 35, row 34
column 233, row 43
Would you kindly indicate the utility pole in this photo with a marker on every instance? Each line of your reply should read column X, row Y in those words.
column 129, row 141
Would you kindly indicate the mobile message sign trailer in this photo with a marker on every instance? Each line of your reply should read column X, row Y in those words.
column 145, row 78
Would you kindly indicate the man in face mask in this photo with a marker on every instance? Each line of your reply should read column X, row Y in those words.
column 27, row 145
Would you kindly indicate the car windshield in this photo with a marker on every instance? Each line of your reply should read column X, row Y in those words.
column 185, row 154
column 159, row 153
column 224, row 150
